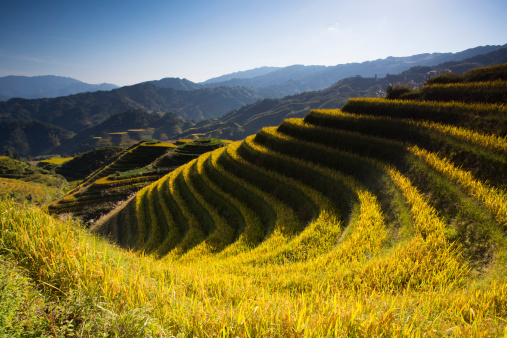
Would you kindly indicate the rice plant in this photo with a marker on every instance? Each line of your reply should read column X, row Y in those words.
column 386, row 218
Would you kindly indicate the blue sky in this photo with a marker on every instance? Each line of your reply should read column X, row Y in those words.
column 131, row 41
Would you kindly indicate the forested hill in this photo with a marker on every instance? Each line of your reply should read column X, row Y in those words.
column 176, row 83
column 81, row 111
column 32, row 137
column 135, row 123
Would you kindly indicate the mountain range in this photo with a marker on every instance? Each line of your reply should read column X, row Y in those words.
column 270, row 81
column 232, row 106
column 35, row 87
column 277, row 82
column 298, row 78
column 81, row 111
column 249, row 119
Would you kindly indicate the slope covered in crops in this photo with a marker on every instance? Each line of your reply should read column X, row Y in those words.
column 282, row 180
column 22, row 181
column 385, row 218
column 127, row 172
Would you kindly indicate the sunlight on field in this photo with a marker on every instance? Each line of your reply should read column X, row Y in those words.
column 58, row 160
column 385, row 218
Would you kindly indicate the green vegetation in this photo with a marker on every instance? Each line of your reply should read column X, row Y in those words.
column 30, row 192
column 128, row 171
column 188, row 150
column 22, row 308
column 24, row 182
column 31, row 137
column 84, row 164
column 98, row 194
column 395, row 92
column 117, row 130
column 38, row 299
column 385, row 218
column 182, row 141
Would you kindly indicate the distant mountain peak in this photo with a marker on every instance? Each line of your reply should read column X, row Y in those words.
column 244, row 74
column 175, row 83
column 298, row 78
column 45, row 86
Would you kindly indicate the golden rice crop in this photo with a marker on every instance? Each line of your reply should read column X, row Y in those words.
column 489, row 141
column 214, row 297
column 311, row 229
column 493, row 199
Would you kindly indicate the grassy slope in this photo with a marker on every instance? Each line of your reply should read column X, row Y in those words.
column 24, row 182
column 320, row 227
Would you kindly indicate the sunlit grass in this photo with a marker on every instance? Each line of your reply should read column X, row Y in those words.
column 342, row 224
column 202, row 298
column 58, row 160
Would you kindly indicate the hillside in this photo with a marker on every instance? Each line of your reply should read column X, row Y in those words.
column 45, row 86
column 26, row 183
column 121, row 172
column 397, row 198
column 84, row 164
column 385, row 218
column 81, row 111
column 31, row 137
column 126, row 128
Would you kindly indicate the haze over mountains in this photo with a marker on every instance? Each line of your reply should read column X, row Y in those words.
column 231, row 106
column 45, row 86
column 298, row 78
column 271, row 81
column 245, row 74
column 275, row 82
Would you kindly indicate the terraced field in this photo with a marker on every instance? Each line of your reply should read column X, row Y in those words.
column 16, row 169
column 97, row 194
column 136, row 167
column 86, row 163
column 387, row 217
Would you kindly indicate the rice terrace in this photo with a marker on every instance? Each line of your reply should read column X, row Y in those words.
column 385, row 218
